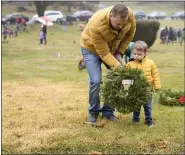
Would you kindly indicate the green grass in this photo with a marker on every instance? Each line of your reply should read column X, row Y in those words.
column 44, row 100
column 35, row 59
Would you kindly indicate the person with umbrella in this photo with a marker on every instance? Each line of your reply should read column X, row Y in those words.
column 45, row 21
column 44, row 30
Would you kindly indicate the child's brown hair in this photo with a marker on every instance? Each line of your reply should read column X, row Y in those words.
column 140, row 46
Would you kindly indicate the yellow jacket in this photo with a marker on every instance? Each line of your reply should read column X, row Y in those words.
column 99, row 38
column 150, row 71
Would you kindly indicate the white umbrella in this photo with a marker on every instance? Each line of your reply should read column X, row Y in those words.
column 45, row 20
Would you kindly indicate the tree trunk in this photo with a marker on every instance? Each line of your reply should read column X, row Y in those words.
column 69, row 8
column 41, row 7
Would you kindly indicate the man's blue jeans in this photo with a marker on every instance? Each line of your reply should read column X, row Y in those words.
column 93, row 66
column 148, row 113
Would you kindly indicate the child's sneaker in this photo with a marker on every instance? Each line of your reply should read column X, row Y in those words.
column 135, row 121
column 151, row 126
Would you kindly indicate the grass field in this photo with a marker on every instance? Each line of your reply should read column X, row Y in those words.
column 45, row 100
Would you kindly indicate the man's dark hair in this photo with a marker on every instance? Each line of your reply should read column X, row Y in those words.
column 120, row 10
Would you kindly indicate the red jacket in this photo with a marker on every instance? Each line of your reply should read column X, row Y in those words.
column 17, row 20
column 22, row 20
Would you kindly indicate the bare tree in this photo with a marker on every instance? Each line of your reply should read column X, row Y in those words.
column 89, row 5
column 69, row 4
column 80, row 5
column 41, row 6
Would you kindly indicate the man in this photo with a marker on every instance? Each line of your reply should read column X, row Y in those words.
column 104, row 39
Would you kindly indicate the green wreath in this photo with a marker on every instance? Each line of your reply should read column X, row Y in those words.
column 170, row 98
column 125, row 99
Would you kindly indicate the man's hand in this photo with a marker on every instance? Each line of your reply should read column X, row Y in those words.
column 118, row 56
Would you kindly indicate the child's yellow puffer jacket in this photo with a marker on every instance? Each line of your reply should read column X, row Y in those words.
column 150, row 71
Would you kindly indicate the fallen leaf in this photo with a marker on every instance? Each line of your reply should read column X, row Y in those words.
column 95, row 152
column 19, row 108
column 163, row 144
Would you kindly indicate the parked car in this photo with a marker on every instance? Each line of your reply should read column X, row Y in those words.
column 139, row 15
column 156, row 15
column 82, row 15
column 10, row 18
column 62, row 21
column 178, row 15
column 53, row 15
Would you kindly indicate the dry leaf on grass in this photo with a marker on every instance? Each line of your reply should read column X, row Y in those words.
column 163, row 144
column 19, row 108
column 95, row 152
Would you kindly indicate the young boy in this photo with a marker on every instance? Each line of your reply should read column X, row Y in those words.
column 149, row 68
column 5, row 34
column 41, row 36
